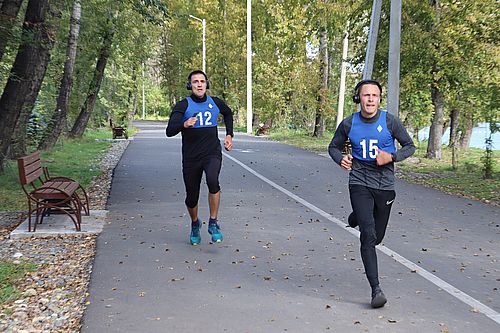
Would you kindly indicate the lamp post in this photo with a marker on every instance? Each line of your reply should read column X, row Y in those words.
column 204, row 24
column 249, row 67
column 340, row 111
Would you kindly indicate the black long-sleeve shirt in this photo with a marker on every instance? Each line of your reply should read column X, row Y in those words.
column 368, row 173
column 198, row 143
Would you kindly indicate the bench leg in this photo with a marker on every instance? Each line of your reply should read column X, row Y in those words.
column 85, row 202
column 30, row 212
column 71, row 206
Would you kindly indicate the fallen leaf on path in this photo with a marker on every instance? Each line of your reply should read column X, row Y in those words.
column 177, row 279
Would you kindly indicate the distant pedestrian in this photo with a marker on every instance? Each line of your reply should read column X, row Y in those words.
column 372, row 133
column 196, row 118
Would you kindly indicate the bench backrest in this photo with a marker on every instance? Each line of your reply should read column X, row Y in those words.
column 30, row 168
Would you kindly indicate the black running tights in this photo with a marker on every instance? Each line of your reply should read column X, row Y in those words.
column 372, row 209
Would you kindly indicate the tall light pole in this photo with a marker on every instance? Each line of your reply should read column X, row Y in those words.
column 394, row 58
column 340, row 111
column 372, row 39
column 204, row 25
column 143, row 95
column 249, row 67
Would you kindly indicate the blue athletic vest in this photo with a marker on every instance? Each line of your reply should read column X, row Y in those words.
column 206, row 112
column 366, row 136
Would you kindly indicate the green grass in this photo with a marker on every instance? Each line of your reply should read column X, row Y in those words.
column 154, row 118
column 466, row 181
column 242, row 129
column 10, row 274
column 302, row 139
column 77, row 159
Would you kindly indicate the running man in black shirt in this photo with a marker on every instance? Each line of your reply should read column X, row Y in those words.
column 371, row 178
column 196, row 118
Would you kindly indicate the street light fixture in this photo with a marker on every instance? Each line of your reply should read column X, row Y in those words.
column 204, row 24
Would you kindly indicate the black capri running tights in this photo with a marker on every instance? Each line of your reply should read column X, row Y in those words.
column 192, row 172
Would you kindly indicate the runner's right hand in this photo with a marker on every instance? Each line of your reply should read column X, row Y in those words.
column 346, row 162
column 190, row 122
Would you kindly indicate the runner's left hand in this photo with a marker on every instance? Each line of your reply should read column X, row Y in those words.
column 383, row 157
column 228, row 142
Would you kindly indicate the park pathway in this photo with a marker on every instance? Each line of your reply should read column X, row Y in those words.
column 287, row 263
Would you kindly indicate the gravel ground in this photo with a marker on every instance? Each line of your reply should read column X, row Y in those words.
column 53, row 297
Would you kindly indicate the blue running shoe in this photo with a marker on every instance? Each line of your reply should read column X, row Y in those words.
column 195, row 237
column 214, row 230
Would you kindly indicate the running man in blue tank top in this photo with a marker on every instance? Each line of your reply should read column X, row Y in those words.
column 371, row 132
column 196, row 118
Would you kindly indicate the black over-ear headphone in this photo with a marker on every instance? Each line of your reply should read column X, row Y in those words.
column 355, row 97
column 189, row 86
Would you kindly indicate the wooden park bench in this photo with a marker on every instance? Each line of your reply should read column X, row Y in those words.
column 48, row 194
column 119, row 132
column 263, row 129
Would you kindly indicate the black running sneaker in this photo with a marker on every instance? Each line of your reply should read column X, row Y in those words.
column 353, row 223
column 378, row 298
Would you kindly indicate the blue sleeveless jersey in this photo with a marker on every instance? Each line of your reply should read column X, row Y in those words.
column 365, row 137
column 206, row 112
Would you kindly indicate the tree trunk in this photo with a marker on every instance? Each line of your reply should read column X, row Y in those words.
column 27, row 73
column 8, row 14
column 87, row 108
column 466, row 132
column 225, row 70
column 19, row 137
column 319, row 123
column 455, row 113
column 436, row 130
column 131, row 99
column 58, row 121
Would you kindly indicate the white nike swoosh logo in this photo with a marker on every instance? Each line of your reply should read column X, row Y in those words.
column 389, row 202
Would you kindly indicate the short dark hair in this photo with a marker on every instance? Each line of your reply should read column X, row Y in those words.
column 197, row 72
column 355, row 97
column 364, row 82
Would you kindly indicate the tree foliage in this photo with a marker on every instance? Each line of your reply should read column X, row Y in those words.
column 448, row 47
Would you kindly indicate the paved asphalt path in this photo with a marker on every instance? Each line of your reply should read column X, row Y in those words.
column 287, row 263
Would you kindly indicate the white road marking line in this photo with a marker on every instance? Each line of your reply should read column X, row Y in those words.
column 465, row 298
